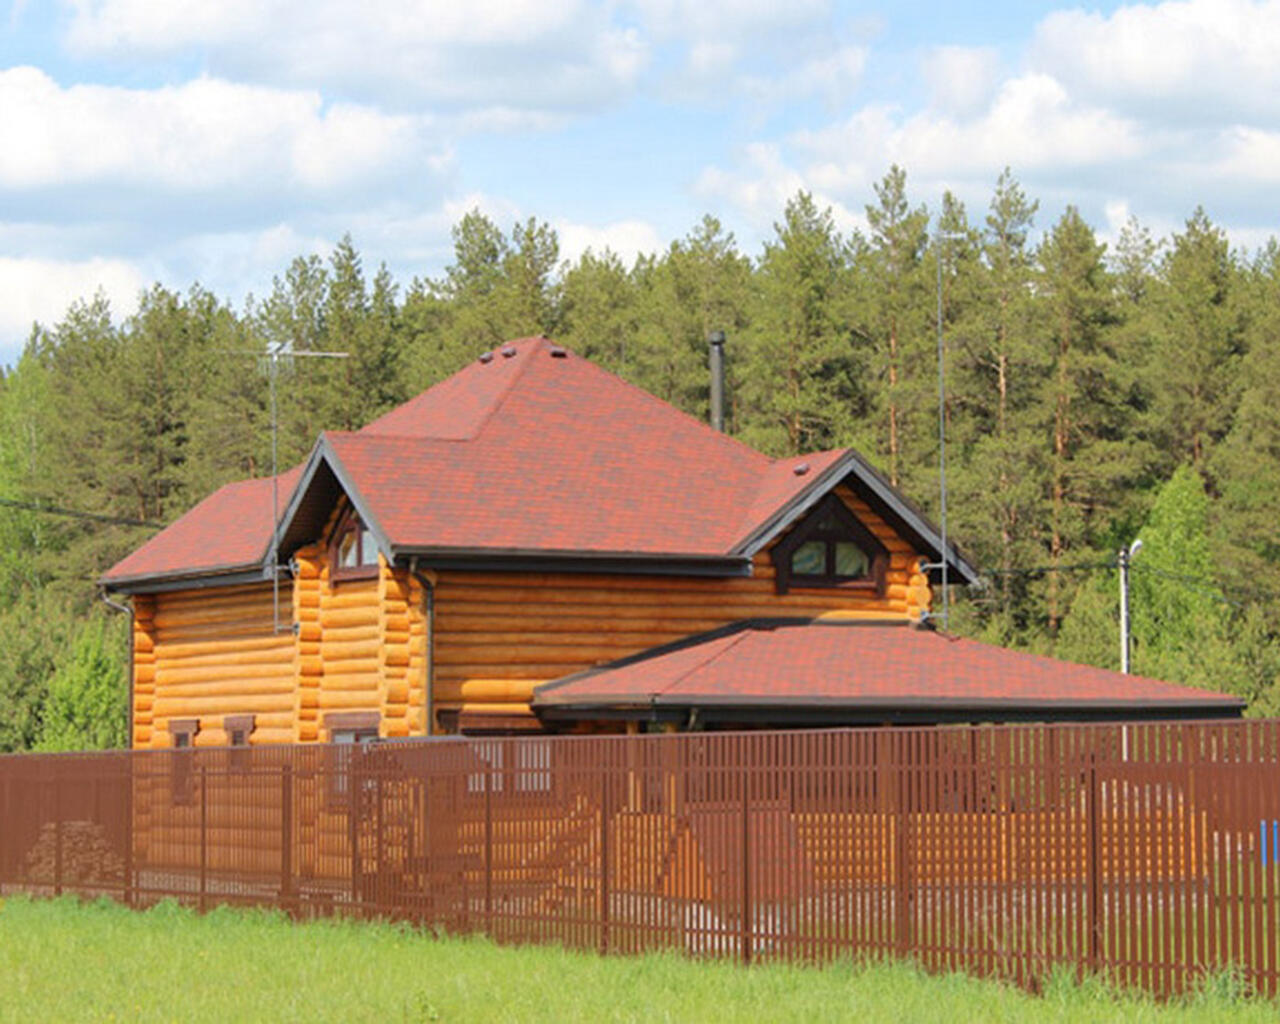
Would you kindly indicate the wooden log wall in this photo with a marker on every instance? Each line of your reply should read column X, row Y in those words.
column 360, row 644
column 215, row 653
column 144, row 669
column 308, row 664
column 498, row 635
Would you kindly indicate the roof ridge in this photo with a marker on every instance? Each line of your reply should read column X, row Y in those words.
column 540, row 342
column 733, row 638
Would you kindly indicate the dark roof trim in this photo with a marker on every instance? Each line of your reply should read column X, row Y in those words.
column 186, row 579
column 520, row 560
column 799, row 504
column 903, row 514
column 323, row 454
column 884, row 499
column 902, row 713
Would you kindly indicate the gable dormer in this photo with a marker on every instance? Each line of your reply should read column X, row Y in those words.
column 830, row 548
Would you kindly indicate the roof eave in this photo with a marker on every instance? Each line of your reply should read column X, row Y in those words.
column 850, row 462
column 324, row 454
column 541, row 560
column 188, row 579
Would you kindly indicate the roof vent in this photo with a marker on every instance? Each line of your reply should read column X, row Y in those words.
column 558, row 353
column 800, row 468
column 486, row 357
column 508, row 352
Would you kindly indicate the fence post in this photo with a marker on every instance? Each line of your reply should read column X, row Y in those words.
column 488, row 851
column 746, row 860
column 204, row 836
column 128, row 829
column 903, row 887
column 1095, row 856
column 57, row 829
column 604, row 860
column 286, row 837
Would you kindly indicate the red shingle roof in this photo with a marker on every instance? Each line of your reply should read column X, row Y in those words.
column 229, row 530
column 531, row 449
column 849, row 666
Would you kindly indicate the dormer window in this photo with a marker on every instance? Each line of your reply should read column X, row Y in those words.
column 830, row 548
column 353, row 552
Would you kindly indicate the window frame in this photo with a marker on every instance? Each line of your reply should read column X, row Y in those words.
column 349, row 523
column 848, row 529
column 349, row 733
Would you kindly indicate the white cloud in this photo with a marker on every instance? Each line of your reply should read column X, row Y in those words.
column 1032, row 123
column 533, row 54
column 42, row 289
column 726, row 19
column 1187, row 59
column 204, row 134
column 961, row 79
column 627, row 239
column 833, row 76
column 762, row 188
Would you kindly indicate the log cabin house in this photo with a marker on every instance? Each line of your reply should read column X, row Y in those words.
column 535, row 545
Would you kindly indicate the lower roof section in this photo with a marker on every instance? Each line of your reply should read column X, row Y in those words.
column 834, row 671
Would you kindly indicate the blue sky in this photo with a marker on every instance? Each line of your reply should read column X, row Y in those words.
column 184, row 140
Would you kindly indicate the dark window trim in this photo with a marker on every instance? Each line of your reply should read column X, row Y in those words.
column 349, row 522
column 352, row 721
column 238, row 729
column 184, row 729
column 849, row 529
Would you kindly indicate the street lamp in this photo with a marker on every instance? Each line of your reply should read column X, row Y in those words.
column 1123, row 558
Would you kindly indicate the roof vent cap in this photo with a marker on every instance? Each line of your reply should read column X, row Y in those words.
column 508, row 352
column 486, row 357
column 800, row 468
column 558, row 353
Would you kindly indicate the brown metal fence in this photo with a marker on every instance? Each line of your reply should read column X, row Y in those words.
column 1147, row 852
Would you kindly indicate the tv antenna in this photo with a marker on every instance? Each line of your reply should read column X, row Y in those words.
column 270, row 362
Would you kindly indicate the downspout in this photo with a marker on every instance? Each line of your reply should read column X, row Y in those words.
column 126, row 609
column 428, row 581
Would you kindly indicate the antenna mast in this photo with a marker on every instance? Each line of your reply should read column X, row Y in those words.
column 273, row 357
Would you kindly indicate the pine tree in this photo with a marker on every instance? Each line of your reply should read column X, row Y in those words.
column 799, row 388
column 898, row 236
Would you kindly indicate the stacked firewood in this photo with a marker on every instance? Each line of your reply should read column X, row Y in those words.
column 87, row 856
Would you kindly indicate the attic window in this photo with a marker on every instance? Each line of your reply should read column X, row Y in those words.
column 830, row 548
column 353, row 553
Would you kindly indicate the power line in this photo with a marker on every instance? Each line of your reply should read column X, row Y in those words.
column 71, row 513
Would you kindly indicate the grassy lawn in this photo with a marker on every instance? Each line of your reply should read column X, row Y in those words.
column 67, row 961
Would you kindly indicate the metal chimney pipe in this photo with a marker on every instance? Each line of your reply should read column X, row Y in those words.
column 716, row 340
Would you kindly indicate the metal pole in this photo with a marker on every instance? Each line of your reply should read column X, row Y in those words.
column 1123, row 562
column 942, row 442
column 275, row 496
column 716, row 340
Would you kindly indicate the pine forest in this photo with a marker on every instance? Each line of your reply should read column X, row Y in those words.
column 1094, row 395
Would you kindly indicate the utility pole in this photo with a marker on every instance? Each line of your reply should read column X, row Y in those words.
column 1123, row 558
column 941, row 236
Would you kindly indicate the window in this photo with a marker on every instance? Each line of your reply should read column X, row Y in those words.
column 349, row 732
column 238, row 729
column 182, row 737
column 353, row 553
column 182, row 732
column 830, row 548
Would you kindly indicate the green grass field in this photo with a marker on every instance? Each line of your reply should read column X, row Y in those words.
column 68, row 961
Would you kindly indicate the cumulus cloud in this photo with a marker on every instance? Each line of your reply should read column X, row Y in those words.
column 961, row 79
column 626, row 239
column 549, row 54
column 201, row 135
column 40, row 290
column 1190, row 59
